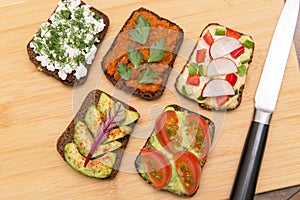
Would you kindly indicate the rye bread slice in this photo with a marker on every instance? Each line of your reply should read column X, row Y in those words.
column 68, row 135
column 240, row 90
column 71, row 80
column 148, row 145
column 121, row 84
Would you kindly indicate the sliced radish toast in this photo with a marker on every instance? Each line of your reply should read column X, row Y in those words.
column 175, row 153
column 94, row 142
column 215, row 73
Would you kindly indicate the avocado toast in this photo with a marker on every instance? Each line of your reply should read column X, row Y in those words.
column 65, row 46
column 93, row 119
column 215, row 73
column 143, row 53
column 174, row 155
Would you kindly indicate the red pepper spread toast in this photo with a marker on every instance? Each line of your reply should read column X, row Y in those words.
column 215, row 74
column 65, row 46
column 143, row 53
column 94, row 142
column 175, row 153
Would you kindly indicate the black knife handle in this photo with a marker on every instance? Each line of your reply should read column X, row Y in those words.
column 246, row 177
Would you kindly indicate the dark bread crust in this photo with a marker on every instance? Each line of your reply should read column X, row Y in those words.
column 121, row 83
column 148, row 145
column 203, row 105
column 67, row 136
column 71, row 79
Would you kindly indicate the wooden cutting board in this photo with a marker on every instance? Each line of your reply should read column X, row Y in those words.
column 35, row 109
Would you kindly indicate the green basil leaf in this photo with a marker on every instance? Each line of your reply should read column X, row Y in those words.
column 157, row 51
column 148, row 76
column 141, row 31
column 124, row 71
column 242, row 70
column 134, row 56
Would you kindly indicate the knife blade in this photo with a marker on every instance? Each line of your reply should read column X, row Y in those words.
column 266, row 96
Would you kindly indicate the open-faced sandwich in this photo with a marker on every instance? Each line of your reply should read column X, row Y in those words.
column 94, row 142
column 215, row 74
column 65, row 46
column 143, row 53
column 175, row 153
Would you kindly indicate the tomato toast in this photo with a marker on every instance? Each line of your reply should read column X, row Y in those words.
column 143, row 53
column 174, row 155
column 215, row 73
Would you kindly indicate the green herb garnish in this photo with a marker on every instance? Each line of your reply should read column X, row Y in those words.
column 124, row 71
column 195, row 68
column 141, row 32
column 148, row 76
column 157, row 51
column 134, row 56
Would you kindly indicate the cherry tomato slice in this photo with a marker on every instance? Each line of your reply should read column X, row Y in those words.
column 198, row 131
column 189, row 171
column 157, row 167
column 208, row 38
column 167, row 130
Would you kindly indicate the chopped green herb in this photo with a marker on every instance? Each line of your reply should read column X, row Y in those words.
column 141, row 32
column 124, row 71
column 157, row 51
column 134, row 56
column 194, row 68
column 242, row 70
column 148, row 76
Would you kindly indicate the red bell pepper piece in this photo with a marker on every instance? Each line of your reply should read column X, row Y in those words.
column 221, row 100
column 193, row 80
column 208, row 38
column 200, row 55
column 232, row 33
column 239, row 51
column 231, row 78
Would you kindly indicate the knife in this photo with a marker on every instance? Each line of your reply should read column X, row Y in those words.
column 265, row 101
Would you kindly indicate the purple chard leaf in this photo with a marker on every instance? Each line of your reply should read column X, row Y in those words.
column 114, row 117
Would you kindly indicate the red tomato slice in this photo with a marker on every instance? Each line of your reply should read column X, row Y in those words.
column 200, row 55
column 208, row 38
column 189, row 170
column 231, row 78
column 167, row 130
column 221, row 100
column 232, row 33
column 198, row 131
column 236, row 53
column 157, row 167
column 193, row 80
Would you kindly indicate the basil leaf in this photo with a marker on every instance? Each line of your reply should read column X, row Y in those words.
column 124, row 71
column 148, row 76
column 134, row 56
column 242, row 70
column 157, row 51
column 141, row 32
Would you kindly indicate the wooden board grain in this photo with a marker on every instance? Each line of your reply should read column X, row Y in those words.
column 35, row 109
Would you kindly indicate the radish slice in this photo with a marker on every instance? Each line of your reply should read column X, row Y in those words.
column 221, row 66
column 223, row 46
column 217, row 87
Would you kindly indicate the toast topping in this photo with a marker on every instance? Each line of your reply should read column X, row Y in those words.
column 67, row 41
